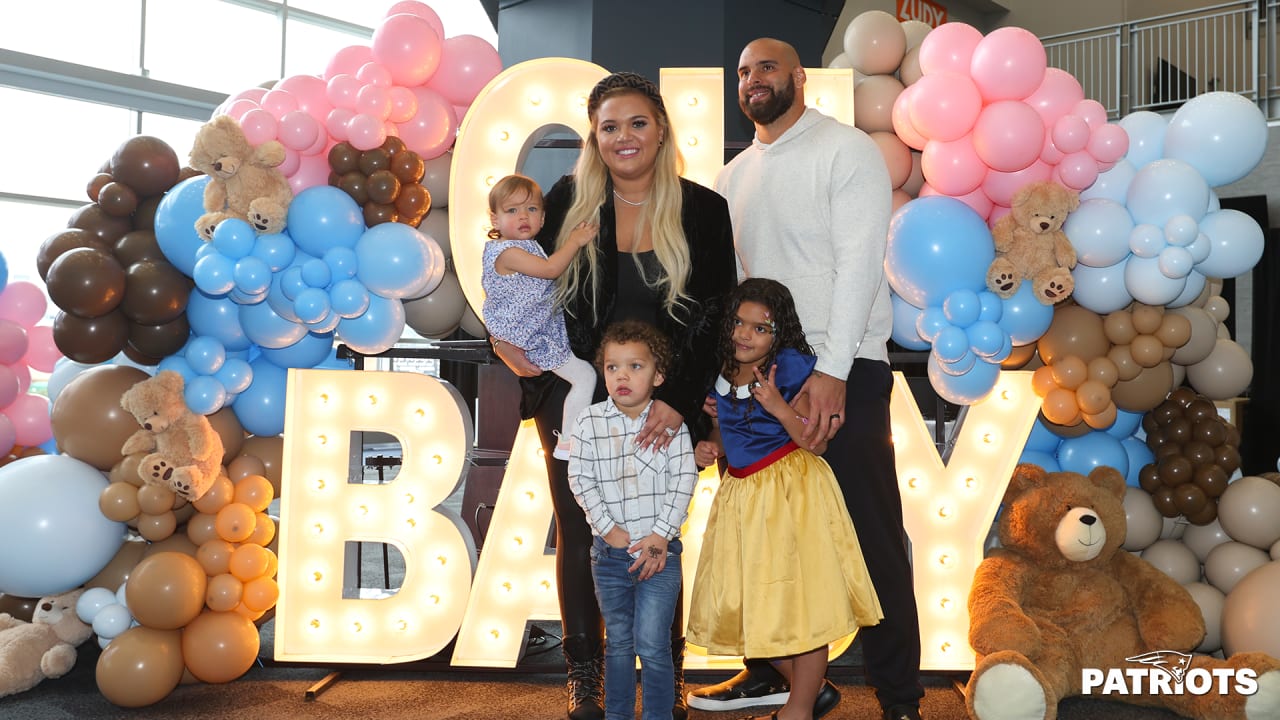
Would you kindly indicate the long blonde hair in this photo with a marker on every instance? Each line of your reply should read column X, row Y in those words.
column 661, row 215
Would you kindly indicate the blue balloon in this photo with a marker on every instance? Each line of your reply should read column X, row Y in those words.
column 987, row 339
column 1025, row 318
column 1084, row 453
column 1139, row 456
column 178, row 364
column 308, row 352
column 1166, row 188
column 1146, row 132
column 1101, row 290
column 175, row 223
column 1146, row 241
column 1099, row 230
column 1222, row 135
column 1043, row 459
column 4, row 272
column 216, row 317
column 1125, row 425
column 279, row 301
column 275, row 250
column 393, row 260
column 326, row 324
column 1111, row 185
column 342, row 262
column 1043, row 439
column 252, row 275
column 234, row 238
column 1236, row 243
column 204, row 395
column 962, row 307
column 931, row 322
column 964, row 389
column 333, row 362
column 323, row 217
column 349, row 298
column 291, row 282
column 215, row 274
column 904, row 331
column 951, row 344
column 992, row 306
column 1195, row 283
column 260, row 408
column 936, row 245
column 316, row 273
column 235, row 375
column 267, row 329
column 205, row 355
column 1175, row 262
column 1147, row 284
column 375, row 330
column 957, row 367
column 312, row 305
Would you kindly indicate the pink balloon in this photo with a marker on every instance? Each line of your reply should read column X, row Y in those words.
column 1008, row 64
column 467, row 64
column 253, row 94
column 408, row 47
column 1050, row 154
column 949, row 48
column 290, row 164
column 8, row 392
column 236, row 110
column 944, row 105
column 1008, row 136
column 23, row 303
column 1057, row 95
column 997, row 212
column 372, row 73
column 13, row 342
column 341, row 91
column 8, row 436
column 403, row 103
column 298, row 130
column 422, row 10
column 977, row 200
column 336, row 123
column 952, row 168
column 1070, row 133
column 1000, row 186
column 902, row 124
column 24, row 377
column 460, row 112
column 42, row 352
column 1077, row 170
column 365, row 132
column 375, row 101
column 348, row 60
column 432, row 129
column 29, row 415
column 309, row 92
column 321, row 144
column 1092, row 112
column 313, row 171
column 1108, row 143
column 259, row 126
column 279, row 103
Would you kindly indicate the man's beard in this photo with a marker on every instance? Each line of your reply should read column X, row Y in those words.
column 779, row 102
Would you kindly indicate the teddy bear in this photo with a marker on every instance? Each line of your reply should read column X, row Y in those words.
column 243, row 180
column 1060, row 609
column 1030, row 244
column 42, row 648
column 184, row 452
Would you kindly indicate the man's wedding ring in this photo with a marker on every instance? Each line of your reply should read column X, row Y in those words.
column 671, row 432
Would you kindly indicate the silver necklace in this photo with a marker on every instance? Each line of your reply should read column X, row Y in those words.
column 632, row 204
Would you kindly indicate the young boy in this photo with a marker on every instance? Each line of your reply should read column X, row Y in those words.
column 635, row 500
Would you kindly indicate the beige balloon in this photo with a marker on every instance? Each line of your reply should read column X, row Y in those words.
column 1218, row 308
column 874, row 98
column 1230, row 562
column 915, row 180
column 1249, row 613
column 1224, row 374
column 438, row 313
column 472, row 324
column 910, row 71
column 915, row 30
column 1249, row 511
column 1275, row 551
column 1142, row 520
column 840, row 61
column 1203, row 538
column 1201, row 339
column 1174, row 559
column 435, row 178
column 1210, row 599
column 436, row 226
column 875, row 42
column 897, row 157
column 1145, row 391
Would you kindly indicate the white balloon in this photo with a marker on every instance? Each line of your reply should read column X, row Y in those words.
column 1210, row 599
column 112, row 620
column 92, row 601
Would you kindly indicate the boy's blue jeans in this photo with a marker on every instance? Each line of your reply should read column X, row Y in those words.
column 637, row 621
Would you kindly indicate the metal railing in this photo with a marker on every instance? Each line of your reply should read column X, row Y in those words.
column 1161, row 62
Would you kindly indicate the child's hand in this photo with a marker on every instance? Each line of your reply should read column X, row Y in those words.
column 653, row 556
column 707, row 453
column 709, row 407
column 583, row 234
column 766, row 392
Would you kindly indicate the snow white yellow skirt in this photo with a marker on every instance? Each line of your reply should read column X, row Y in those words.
column 781, row 571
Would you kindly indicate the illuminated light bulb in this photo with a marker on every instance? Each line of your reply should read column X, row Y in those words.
column 443, row 560
column 489, row 180
column 913, row 483
column 692, row 141
column 542, row 453
column 402, row 625
column 438, row 458
column 504, row 136
column 494, row 632
column 582, row 101
column 535, row 100
column 320, row 483
column 319, row 576
column 546, row 584
column 519, row 541
column 1005, row 395
column 435, row 599
column 706, row 490
column 693, row 101
column 412, row 523
column 322, row 439
column 506, row 586
column 408, row 498
column 944, row 511
column 420, row 412
column 945, row 603
column 318, row 529
column 373, row 399
column 970, row 482
column 364, row 509
column 530, row 494
column 945, row 647
column 820, row 101
column 324, row 398
column 944, row 560
column 315, row 623
column 357, row 626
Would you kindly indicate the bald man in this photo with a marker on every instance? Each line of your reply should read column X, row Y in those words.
column 810, row 202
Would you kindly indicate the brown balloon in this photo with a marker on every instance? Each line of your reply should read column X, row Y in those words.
column 1119, row 327
column 140, row 667
column 1065, row 431
column 96, row 184
column 119, row 567
column 140, row 357
column 144, row 218
column 414, row 201
column 1197, row 452
column 146, row 164
column 136, row 246
column 21, row 608
column 269, row 450
column 371, row 161
column 1018, row 357
column 408, row 166
column 1073, row 331
column 393, row 145
column 87, row 282
column 118, row 200
column 356, row 185
column 1189, row 498
column 1174, row 470
column 156, row 292
column 87, row 419
column 219, row 647
column 1162, row 498
column 1183, row 397
column 1228, row 458
column 383, row 187
column 1212, row 479
column 1146, row 318
column 1149, row 479
column 162, row 340
column 166, row 590
column 1178, row 430
column 62, row 242
column 91, row 340
column 106, row 228
column 1207, row 514
column 228, row 427
column 1201, row 409
column 1144, row 391
column 343, row 158
column 375, row 214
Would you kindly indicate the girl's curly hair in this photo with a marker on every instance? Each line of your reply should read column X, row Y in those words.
column 787, row 332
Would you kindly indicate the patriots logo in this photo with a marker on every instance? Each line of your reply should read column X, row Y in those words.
column 1172, row 662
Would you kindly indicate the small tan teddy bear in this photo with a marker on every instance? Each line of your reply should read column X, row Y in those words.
column 1030, row 244
column 1061, row 609
column 184, row 451
column 243, row 180
column 42, row 648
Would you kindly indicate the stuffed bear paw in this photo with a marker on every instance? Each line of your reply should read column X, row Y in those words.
column 1266, row 702
column 1006, row 688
